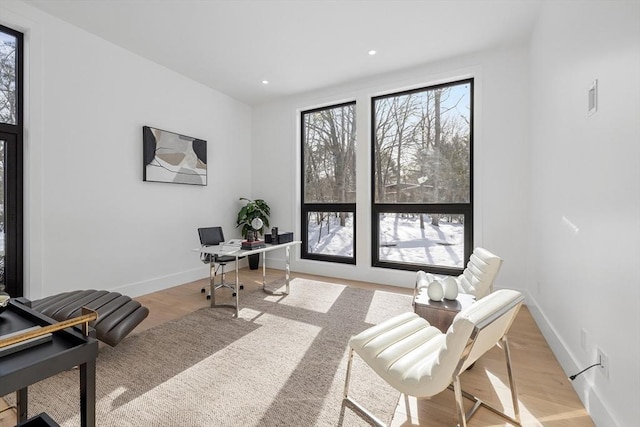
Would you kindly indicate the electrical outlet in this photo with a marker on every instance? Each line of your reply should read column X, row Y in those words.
column 584, row 339
column 603, row 359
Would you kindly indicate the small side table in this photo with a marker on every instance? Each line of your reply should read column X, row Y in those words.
column 440, row 313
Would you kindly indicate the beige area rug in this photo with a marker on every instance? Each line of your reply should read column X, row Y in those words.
column 282, row 363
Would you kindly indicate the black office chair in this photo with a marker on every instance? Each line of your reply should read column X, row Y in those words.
column 212, row 236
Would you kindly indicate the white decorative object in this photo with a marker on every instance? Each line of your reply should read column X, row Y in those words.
column 257, row 223
column 450, row 288
column 435, row 291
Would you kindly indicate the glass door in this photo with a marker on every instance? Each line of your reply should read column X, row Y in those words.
column 3, row 243
column 10, row 221
column 11, row 160
column 10, row 218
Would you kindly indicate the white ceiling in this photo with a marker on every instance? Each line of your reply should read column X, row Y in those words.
column 297, row 45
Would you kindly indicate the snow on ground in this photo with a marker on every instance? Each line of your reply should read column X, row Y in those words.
column 401, row 240
column 338, row 241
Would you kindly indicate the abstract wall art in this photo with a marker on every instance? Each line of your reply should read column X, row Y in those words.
column 171, row 157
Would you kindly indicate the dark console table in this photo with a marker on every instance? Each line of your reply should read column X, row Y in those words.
column 440, row 313
column 67, row 348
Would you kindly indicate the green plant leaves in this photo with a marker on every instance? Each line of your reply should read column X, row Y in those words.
column 253, row 209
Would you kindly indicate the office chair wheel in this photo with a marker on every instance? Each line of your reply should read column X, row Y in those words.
column 241, row 286
column 208, row 296
column 202, row 291
column 233, row 294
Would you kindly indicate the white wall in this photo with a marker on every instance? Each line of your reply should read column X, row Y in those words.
column 501, row 159
column 91, row 222
column 586, row 197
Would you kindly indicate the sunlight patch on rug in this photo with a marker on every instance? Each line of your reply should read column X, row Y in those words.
column 321, row 300
column 282, row 363
column 258, row 375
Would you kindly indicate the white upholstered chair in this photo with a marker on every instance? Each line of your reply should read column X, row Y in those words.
column 477, row 277
column 419, row 360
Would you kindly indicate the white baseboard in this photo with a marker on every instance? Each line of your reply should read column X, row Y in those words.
column 596, row 408
column 159, row 283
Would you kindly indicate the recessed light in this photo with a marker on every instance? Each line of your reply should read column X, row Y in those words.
column 265, row 82
column 372, row 52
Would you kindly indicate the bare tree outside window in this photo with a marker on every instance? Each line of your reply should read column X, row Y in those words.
column 8, row 106
column 422, row 176
column 329, row 182
column 330, row 141
column 422, row 147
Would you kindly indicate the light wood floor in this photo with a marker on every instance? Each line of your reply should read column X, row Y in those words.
column 545, row 395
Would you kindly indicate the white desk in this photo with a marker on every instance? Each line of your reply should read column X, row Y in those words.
column 220, row 250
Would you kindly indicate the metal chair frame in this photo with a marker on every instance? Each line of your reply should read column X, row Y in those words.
column 216, row 263
column 455, row 385
column 214, row 266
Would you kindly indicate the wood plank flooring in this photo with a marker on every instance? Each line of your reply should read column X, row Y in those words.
column 545, row 395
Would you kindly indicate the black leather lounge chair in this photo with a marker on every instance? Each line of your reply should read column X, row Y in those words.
column 118, row 314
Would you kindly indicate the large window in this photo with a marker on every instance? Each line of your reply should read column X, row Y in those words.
column 329, row 183
column 11, row 105
column 422, row 198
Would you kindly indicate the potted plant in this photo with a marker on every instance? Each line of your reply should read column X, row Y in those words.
column 253, row 209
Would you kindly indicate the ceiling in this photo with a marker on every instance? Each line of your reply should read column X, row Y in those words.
column 297, row 45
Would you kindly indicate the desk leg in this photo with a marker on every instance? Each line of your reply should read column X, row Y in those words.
column 264, row 274
column 212, row 281
column 287, row 270
column 22, row 404
column 88, row 394
column 237, row 289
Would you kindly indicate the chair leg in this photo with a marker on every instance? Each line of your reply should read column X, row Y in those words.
column 223, row 281
column 225, row 284
column 367, row 414
column 457, row 391
column 478, row 402
column 213, row 273
column 512, row 383
column 348, row 379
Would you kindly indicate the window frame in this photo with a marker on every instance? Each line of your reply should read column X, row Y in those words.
column 13, row 134
column 465, row 209
column 306, row 208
